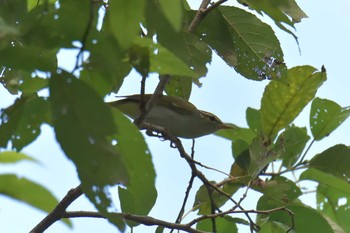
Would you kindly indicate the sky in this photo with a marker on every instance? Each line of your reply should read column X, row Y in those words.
column 323, row 39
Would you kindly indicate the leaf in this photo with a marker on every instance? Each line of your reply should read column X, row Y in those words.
column 179, row 86
column 28, row 58
column 280, row 189
column 213, row 31
column 21, row 122
column 306, row 219
column 29, row 192
column 186, row 46
column 83, row 125
column 326, row 179
column 236, row 133
column 327, row 203
column 125, row 20
column 224, row 224
column 282, row 12
column 33, row 85
column 162, row 61
column 284, row 99
column 253, row 119
column 14, row 157
column 6, row 29
column 335, row 160
column 139, row 194
column 293, row 140
column 325, row 117
column 173, row 12
column 257, row 49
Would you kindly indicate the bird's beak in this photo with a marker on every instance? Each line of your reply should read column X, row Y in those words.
column 227, row 126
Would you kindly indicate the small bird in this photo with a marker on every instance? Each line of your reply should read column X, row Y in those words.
column 177, row 116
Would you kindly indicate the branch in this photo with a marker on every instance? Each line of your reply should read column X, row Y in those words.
column 145, row 220
column 163, row 80
column 57, row 213
column 202, row 12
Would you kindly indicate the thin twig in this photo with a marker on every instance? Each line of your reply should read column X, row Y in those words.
column 85, row 36
column 57, row 213
column 163, row 80
column 145, row 220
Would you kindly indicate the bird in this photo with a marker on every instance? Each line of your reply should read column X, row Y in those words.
column 177, row 116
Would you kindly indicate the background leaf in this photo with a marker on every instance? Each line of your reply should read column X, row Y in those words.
column 14, row 157
column 29, row 192
column 325, row 117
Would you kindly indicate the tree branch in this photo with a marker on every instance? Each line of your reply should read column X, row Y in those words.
column 202, row 12
column 57, row 213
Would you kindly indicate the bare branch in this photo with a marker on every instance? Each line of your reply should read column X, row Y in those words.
column 58, row 211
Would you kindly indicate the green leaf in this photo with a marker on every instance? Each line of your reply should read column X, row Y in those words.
column 28, row 58
column 257, row 49
column 29, row 192
column 326, row 179
column 179, row 86
column 14, row 157
column 284, row 99
column 139, row 194
column 173, row 12
column 253, row 119
column 274, row 227
column 186, row 46
column 327, row 203
column 236, row 133
column 224, row 224
column 293, row 140
column 21, row 122
column 125, row 20
column 6, row 29
column 334, row 160
column 12, row 78
column 282, row 12
column 213, row 31
column 32, row 85
column 83, row 125
column 325, row 117
column 306, row 219
column 280, row 189
column 162, row 61
column 107, row 67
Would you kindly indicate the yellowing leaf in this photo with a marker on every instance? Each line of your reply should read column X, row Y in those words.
column 284, row 99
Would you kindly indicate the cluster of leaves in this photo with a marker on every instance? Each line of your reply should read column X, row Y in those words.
column 173, row 40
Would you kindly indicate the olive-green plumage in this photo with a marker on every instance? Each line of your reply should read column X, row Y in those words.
column 178, row 116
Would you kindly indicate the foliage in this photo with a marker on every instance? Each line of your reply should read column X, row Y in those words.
column 168, row 38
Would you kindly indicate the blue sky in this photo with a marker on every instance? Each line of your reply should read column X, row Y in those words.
column 323, row 39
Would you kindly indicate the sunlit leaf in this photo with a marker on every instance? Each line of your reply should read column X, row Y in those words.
column 125, row 20
column 325, row 117
column 284, row 99
column 29, row 192
column 21, row 122
column 14, row 157
column 257, row 49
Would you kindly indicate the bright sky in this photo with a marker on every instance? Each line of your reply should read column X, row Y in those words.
column 324, row 40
